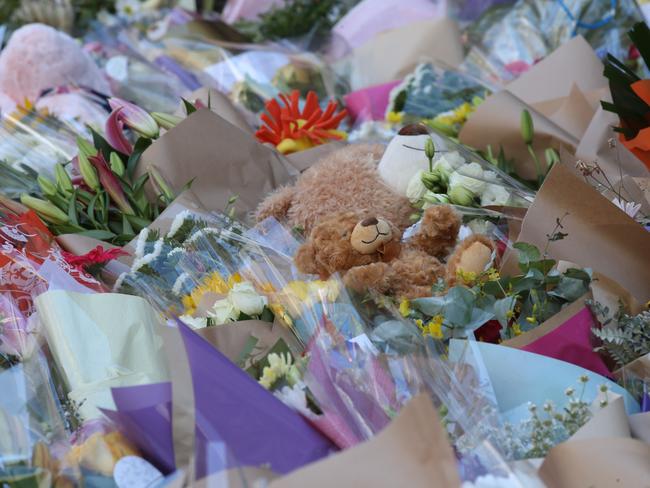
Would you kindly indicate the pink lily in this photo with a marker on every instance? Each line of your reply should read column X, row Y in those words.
column 136, row 118
column 115, row 133
column 111, row 184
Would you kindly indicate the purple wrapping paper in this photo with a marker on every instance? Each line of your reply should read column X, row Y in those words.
column 238, row 423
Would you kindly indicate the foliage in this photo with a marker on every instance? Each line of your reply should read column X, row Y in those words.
column 624, row 337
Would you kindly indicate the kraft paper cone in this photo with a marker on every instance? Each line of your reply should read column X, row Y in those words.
column 600, row 236
column 607, row 422
column 223, row 160
column 594, row 146
column 573, row 113
column 401, row 51
column 221, row 105
column 574, row 63
column 598, row 463
column 413, row 450
column 640, row 426
column 497, row 122
column 231, row 339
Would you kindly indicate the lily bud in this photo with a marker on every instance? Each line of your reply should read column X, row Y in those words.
column 87, row 171
column 47, row 185
column 111, row 184
column 430, row 179
column 429, row 148
column 63, row 181
column 160, row 184
column 527, row 128
column 459, row 195
column 136, row 118
column 117, row 166
column 46, row 210
column 432, row 197
column 552, row 157
column 166, row 121
column 85, row 147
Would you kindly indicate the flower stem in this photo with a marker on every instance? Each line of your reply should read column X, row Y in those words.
column 538, row 168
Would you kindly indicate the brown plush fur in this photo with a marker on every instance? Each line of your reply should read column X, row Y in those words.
column 403, row 270
column 344, row 181
column 454, row 260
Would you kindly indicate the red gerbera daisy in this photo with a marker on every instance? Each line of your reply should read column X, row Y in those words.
column 94, row 257
column 291, row 130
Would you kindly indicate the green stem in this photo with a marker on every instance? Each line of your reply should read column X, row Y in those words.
column 538, row 168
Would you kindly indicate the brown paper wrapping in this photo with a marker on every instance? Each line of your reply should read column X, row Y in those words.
column 600, row 236
column 413, row 450
column 640, row 426
column 304, row 160
column 223, row 160
column 221, row 105
column 230, row 339
column 401, row 51
column 598, row 463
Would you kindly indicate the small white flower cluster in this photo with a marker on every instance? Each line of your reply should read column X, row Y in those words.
column 139, row 262
column 178, row 222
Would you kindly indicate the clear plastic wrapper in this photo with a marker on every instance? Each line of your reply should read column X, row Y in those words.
column 515, row 36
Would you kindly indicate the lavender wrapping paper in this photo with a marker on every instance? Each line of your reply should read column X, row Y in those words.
column 238, row 423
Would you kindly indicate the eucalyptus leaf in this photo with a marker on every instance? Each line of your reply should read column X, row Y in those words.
column 527, row 252
column 570, row 289
column 502, row 307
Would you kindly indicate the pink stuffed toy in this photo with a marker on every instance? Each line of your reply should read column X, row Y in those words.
column 39, row 57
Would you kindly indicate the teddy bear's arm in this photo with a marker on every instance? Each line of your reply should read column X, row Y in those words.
column 376, row 276
column 276, row 204
column 438, row 230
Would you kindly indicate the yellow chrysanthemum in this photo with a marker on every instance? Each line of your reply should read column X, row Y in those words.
column 394, row 117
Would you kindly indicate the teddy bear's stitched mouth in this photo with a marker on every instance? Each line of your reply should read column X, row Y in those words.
column 379, row 233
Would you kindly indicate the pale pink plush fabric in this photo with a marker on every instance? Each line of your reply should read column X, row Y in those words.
column 74, row 106
column 7, row 104
column 38, row 57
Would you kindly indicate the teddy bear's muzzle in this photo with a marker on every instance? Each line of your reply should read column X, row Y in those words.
column 370, row 234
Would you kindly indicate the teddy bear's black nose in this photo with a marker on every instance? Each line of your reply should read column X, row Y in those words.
column 369, row 221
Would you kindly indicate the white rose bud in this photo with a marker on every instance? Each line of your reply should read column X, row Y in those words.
column 246, row 299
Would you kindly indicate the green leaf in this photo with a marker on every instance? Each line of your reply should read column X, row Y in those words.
column 527, row 252
column 190, row 108
column 578, row 274
column 138, row 222
column 140, row 146
column 570, row 289
column 502, row 307
column 72, row 209
column 543, row 265
column 248, row 348
column 102, row 145
column 126, row 226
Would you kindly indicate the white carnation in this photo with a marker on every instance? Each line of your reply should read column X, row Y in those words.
column 494, row 195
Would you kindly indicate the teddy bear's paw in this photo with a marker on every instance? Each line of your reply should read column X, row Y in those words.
column 376, row 276
column 276, row 205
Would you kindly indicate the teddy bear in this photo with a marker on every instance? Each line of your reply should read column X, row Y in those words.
column 370, row 254
column 345, row 180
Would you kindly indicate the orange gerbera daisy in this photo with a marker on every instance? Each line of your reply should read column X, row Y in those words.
column 291, row 130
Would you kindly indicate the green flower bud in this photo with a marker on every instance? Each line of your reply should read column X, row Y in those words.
column 429, row 148
column 63, row 181
column 117, row 166
column 85, row 147
column 161, row 185
column 459, row 195
column 430, row 179
column 47, row 210
column 166, row 121
column 47, row 185
column 88, row 172
column 551, row 156
column 432, row 197
column 527, row 128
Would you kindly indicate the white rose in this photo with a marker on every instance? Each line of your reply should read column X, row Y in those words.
column 416, row 189
column 470, row 177
column 494, row 195
column 223, row 311
column 194, row 322
column 246, row 299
